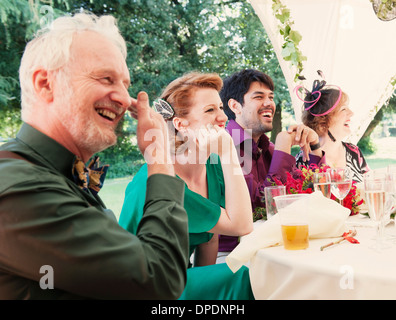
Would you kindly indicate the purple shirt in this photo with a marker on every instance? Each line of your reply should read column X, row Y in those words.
column 259, row 162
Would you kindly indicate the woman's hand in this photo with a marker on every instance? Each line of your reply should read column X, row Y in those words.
column 236, row 218
column 300, row 135
column 214, row 139
column 304, row 137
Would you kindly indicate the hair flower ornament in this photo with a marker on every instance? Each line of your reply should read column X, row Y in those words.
column 163, row 108
column 316, row 100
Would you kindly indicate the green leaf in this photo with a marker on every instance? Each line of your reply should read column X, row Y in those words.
column 284, row 16
column 294, row 58
column 286, row 53
column 287, row 30
column 295, row 36
column 276, row 6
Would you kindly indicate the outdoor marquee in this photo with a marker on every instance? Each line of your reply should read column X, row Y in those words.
column 348, row 42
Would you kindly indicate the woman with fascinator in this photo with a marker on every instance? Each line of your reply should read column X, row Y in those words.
column 216, row 197
column 326, row 111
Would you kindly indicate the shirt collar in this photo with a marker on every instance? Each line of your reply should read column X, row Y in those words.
column 51, row 152
column 239, row 135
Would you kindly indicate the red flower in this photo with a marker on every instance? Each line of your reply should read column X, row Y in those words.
column 300, row 181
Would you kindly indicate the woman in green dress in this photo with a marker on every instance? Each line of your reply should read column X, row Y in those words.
column 216, row 196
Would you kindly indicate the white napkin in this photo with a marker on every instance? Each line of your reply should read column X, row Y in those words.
column 326, row 218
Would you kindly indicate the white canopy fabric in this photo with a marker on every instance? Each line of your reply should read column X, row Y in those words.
column 345, row 39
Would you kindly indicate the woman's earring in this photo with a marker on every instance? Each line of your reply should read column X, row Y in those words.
column 331, row 136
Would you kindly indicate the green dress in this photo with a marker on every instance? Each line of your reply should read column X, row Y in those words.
column 214, row 282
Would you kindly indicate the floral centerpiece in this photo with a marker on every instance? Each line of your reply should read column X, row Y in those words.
column 301, row 181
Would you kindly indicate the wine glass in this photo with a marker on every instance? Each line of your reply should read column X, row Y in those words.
column 390, row 189
column 375, row 191
column 391, row 177
column 341, row 182
column 322, row 182
column 391, row 168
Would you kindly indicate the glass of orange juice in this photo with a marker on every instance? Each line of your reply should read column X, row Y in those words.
column 294, row 224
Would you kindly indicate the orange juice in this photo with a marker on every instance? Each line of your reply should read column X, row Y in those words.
column 295, row 237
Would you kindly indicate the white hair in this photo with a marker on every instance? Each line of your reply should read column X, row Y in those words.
column 50, row 49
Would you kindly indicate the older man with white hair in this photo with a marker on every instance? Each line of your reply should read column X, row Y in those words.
column 57, row 239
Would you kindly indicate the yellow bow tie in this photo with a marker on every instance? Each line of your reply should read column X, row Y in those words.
column 91, row 177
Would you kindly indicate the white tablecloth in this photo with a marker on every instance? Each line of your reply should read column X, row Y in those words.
column 344, row 271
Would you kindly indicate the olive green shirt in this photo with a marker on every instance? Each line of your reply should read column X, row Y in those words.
column 54, row 233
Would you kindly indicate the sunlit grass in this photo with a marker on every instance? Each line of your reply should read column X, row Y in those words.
column 113, row 193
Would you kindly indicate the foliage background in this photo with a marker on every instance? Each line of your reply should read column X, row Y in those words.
column 165, row 39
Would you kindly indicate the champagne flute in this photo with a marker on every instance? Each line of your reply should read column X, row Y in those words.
column 375, row 190
column 391, row 176
column 322, row 182
column 341, row 182
column 390, row 188
column 391, row 168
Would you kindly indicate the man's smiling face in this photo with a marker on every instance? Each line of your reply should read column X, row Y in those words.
column 258, row 109
column 95, row 97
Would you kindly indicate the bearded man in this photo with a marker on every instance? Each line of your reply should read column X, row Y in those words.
column 248, row 100
column 58, row 240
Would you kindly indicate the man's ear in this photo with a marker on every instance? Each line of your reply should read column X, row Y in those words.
column 43, row 85
column 235, row 106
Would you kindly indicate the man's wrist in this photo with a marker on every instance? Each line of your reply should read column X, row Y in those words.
column 283, row 141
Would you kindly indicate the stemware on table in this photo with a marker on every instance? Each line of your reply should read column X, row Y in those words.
column 322, row 182
column 341, row 182
column 391, row 200
column 376, row 186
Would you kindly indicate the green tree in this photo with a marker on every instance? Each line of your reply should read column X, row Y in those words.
column 365, row 143
column 19, row 19
column 13, row 28
column 167, row 38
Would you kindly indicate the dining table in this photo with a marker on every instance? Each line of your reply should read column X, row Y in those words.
column 344, row 271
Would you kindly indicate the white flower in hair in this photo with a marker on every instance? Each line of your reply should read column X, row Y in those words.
column 163, row 108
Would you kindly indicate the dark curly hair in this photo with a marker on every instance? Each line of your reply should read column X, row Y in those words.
column 238, row 84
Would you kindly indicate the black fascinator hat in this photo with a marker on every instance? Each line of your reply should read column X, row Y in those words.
column 322, row 99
